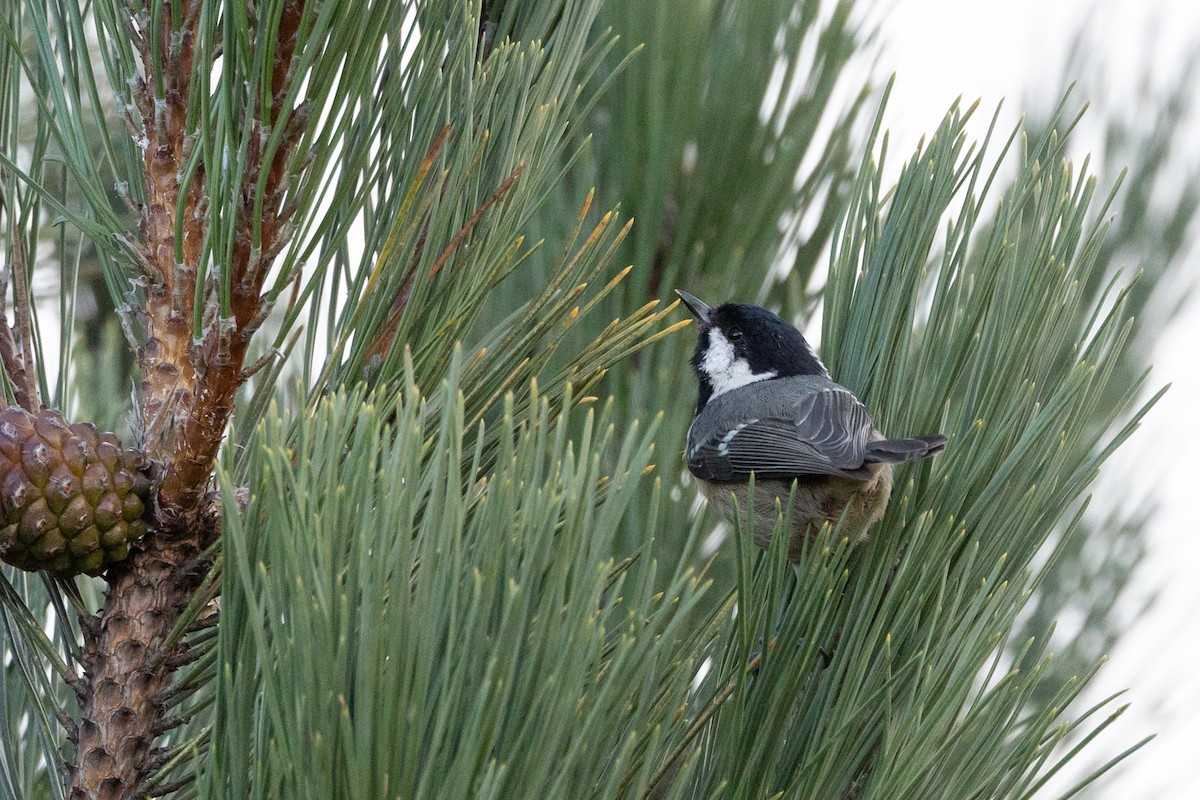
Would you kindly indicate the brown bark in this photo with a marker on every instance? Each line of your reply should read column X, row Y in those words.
column 129, row 671
column 16, row 343
column 187, row 399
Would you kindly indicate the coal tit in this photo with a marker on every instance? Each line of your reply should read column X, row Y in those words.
column 768, row 406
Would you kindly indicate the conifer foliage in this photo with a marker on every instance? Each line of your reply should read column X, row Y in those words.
column 410, row 411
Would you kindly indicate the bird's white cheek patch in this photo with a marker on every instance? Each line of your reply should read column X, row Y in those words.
column 724, row 369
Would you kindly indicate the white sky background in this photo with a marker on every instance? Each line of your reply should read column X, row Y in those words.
column 940, row 49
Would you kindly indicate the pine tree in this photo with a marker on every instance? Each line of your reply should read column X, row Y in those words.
column 412, row 409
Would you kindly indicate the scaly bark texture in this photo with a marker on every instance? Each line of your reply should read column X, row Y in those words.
column 187, row 392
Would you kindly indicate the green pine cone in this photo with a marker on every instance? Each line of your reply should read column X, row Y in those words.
column 71, row 498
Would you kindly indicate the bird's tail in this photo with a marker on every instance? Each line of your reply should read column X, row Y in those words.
column 894, row 451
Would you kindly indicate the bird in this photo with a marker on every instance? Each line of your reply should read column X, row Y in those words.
column 768, row 407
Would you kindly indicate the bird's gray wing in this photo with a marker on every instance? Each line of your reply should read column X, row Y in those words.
column 813, row 431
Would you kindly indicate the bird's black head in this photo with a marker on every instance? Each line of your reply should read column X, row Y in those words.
column 743, row 344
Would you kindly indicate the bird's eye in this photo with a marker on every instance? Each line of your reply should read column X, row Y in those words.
column 735, row 333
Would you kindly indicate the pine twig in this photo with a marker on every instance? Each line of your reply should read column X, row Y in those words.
column 19, row 366
column 129, row 657
column 383, row 342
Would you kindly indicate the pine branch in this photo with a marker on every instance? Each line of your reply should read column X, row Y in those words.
column 16, row 342
column 453, row 551
column 187, row 393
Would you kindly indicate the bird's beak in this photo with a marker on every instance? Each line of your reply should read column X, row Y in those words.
column 698, row 307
